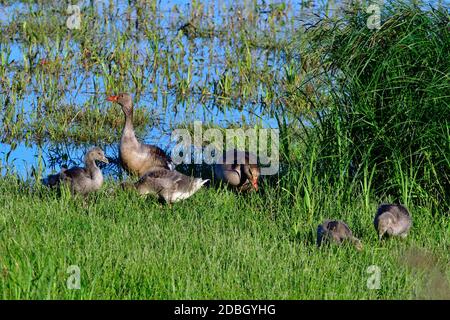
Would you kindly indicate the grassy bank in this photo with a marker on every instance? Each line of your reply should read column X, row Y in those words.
column 363, row 119
column 215, row 245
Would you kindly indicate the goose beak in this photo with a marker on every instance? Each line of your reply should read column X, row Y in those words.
column 255, row 184
column 105, row 160
column 112, row 98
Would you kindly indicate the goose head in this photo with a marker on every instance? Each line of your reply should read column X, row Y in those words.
column 124, row 100
column 96, row 154
column 252, row 172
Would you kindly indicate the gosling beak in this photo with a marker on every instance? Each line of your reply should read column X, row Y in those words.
column 112, row 98
column 105, row 160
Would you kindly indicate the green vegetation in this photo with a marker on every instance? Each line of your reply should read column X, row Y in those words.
column 390, row 108
column 363, row 117
column 143, row 49
column 214, row 245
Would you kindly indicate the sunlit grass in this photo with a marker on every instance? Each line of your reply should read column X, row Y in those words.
column 215, row 245
column 363, row 119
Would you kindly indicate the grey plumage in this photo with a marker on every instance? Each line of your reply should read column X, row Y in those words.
column 393, row 220
column 81, row 180
column 337, row 232
column 168, row 185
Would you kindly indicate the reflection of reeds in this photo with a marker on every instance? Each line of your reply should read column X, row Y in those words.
column 142, row 49
column 433, row 282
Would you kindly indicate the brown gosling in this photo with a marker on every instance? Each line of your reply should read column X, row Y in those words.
column 81, row 180
column 392, row 220
column 337, row 232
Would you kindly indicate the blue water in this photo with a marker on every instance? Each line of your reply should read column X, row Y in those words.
column 26, row 158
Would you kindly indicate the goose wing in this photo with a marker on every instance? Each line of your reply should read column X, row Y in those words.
column 74, row 173
column 162, row 179
column 161, row 156
column 54, row 180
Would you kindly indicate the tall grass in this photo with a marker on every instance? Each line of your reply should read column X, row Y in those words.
column 388, row 106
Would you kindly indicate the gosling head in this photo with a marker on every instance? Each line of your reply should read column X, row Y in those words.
column 96, row 154
column 252, row 172
column 383, row 224
column 357, row 243
column 124, row 100
column 199, row 182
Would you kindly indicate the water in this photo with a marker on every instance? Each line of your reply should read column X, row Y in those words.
column 201, row 63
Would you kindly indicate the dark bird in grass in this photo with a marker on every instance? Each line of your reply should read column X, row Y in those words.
column 136, row 157
column 81, row 180
column 392, row 220
column 336, row 232
column 168, row 185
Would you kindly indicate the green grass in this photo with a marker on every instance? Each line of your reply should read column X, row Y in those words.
column 363, row 118
column 214, row 245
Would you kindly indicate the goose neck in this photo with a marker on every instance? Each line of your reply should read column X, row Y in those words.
column 91, row 166
column 128, row 129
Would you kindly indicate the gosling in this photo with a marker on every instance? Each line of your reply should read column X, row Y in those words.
column 392, row 220
column 168, row 185
column 337, row 232
column 81, row 180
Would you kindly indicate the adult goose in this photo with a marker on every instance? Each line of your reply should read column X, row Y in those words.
column 239, row 169
column 392, row 220
column 168, row 185
column 81, row 180
column 337, row 232
column 137, row 158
